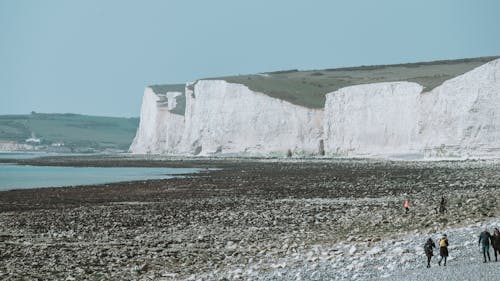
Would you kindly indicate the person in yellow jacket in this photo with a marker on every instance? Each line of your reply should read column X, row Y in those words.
column 443, row 249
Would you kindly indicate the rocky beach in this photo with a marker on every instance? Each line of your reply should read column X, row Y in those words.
column 253, row 219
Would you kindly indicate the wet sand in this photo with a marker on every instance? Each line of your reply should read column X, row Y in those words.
column 247, row 215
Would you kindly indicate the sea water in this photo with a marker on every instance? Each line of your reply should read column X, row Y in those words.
column 22, row 176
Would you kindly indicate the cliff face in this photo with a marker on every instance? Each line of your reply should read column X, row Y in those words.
column 372, row 119
column 228, row 118
column 460, row 117
column 160, row 129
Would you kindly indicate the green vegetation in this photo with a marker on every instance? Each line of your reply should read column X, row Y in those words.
column 180, row 108
column 161, row 90
column 77, row 132
column 308, row 88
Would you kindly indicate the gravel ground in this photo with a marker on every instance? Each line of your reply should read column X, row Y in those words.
column 252, row 220
column 461, row 271
column 467, row 258
column 398, row 259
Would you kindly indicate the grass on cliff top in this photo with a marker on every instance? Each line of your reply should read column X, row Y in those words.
column 308, row 88
column 181, row 100
column 72, row 129
column 163, row 89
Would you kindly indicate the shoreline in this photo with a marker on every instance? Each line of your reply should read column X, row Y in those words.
column 145, row 160
column 247, row 217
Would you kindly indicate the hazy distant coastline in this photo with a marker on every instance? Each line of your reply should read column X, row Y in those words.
column 65, row 133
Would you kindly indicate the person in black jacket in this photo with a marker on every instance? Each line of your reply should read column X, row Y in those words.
column 428, row 248
column 484, row 241
column 495, row 241
column 442, row 205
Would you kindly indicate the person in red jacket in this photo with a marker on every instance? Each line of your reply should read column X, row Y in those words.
column 407, row 205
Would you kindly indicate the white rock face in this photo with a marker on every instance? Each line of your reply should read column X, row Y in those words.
column 462, row 116
column 372, row 119
column 160, row 130
column 229, row 118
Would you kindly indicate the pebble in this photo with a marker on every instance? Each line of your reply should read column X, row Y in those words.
column 309, row 221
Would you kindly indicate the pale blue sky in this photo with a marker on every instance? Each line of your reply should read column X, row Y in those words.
column 96, row 56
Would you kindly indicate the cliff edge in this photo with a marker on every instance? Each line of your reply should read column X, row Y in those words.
column 431, row 109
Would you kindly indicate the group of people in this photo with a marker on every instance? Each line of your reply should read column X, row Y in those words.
column 443, row 250
column 442, row 205
column 485, row 240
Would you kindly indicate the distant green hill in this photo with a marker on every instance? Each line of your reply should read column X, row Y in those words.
column 308, row 88
column 77, row 132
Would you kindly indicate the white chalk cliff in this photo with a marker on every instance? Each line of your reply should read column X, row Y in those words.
column 160, row 128
column 228, row 118
column 372, row 119
column 225, row 118
column 460, row 117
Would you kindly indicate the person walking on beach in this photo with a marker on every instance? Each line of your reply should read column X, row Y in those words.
column 442, row 205
column 443, row 249
column 428, row 248
column 495, row 241
column 407, row 205
column 484, row 241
